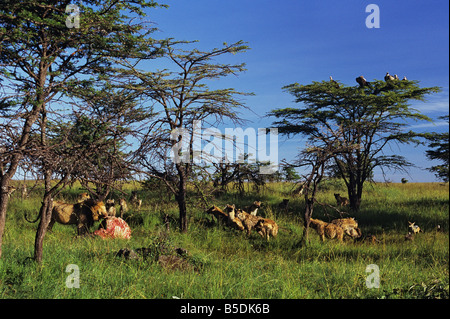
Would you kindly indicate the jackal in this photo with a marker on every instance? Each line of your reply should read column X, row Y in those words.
column 416, row 229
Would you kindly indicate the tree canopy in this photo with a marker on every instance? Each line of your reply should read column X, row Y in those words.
column 176, row 99
column 439, row 150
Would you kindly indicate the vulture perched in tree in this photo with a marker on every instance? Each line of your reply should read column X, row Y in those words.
column 395, row 77
column 333, row 81
column 362, row 81
column 405, row 79
column 388, row 77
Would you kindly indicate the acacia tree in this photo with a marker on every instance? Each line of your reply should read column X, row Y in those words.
column 178, row 98
column 106, row 122
column 239, row 172
column 316, row 159
column 63, row 155
column 439, row 150
column 359, row 120
column 42, row 58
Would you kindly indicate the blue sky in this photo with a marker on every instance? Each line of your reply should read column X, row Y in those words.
column 303, row 41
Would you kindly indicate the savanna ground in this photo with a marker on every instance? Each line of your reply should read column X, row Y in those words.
column 227, row 263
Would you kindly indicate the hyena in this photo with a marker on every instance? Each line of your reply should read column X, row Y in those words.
column 266, row 228
column 341, row 201
column 233, row 221
column 349, row 225
column 284, row 204
column 135, row 201
column 218, row 214
column 123, row 206
column 327, row 229
column 249, row 221
column 253, row 208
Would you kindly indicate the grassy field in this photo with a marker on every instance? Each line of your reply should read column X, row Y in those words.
column 228, row 264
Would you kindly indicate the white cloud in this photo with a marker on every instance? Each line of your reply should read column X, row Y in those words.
column 434, row 103
column 429, row 124
column 429, row 107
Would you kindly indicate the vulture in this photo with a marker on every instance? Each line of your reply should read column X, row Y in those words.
column 395, row 76
column 388, row 77
column 405, row 79
column 333, row 81
column 362, row 81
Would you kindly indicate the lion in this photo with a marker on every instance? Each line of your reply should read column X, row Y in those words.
column 83, row 197
column 341, row 201
column 233, row 221
column 81, row 214
column 327, row 229
column 349, row 225
column 266, row 228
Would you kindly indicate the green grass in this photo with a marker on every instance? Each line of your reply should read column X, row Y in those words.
column 231, row 265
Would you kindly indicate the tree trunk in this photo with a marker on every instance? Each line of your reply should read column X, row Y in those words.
column 47, row 202
column 3, row 206
column 308, row 213
column 354, row 196
column 351, row 192
column 46, row 214
column 6, row 177
column 181, row 197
